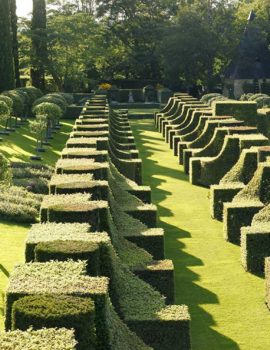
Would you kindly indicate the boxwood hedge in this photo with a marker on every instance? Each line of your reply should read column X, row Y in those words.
column 54, row 311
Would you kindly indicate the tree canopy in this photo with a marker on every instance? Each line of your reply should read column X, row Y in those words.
column 168, row 41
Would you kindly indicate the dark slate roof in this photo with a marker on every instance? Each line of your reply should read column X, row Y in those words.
column 252, row 60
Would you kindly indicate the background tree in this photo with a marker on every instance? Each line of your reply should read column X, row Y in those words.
column 6, row 58
column 200, row 42
column 39, row 44
column 15, row 46
column 138, row 24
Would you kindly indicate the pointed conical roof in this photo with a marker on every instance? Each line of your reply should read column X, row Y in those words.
column 252, row 60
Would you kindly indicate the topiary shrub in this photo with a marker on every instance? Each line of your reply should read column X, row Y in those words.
column 51, row 110
column 255, row 242
column 52, row 98
column 74, row 250
column 248, row 202
column 233, row 182
column 75, row 208
column 51, row 311
column 263, row 102
column 19, row 103
column 254, row 97
column 49, row 339
column 82, row 166
column 8, row 101
column 242, row 110
column 207, row 97
column 4, row 113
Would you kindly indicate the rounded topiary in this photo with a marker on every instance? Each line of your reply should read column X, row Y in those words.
column 75, row 250
column 207, row 97
column 57, row 311
column 8, row 101
column 51, row 110
column 4, row 110
column 254, row 97
column 5, row 171
column 53, row 98
column 263, row 102
column 18, row 107
column 32, row 93
column 68, row 97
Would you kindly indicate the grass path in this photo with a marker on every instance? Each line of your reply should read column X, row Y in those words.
column 226, row 304
column 19, row 146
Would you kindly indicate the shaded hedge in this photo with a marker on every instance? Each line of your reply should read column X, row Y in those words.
column 51, row 311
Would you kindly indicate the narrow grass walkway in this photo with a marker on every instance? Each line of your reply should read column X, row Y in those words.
column 226, row 304
column 19, row 146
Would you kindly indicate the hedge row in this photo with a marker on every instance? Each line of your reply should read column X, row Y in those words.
column 71, row 230
column 233, row 159
column 46, row 338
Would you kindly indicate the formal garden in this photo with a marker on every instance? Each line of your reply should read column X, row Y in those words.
column 134, row 175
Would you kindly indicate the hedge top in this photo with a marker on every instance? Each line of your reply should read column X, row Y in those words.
column 54, row 277
column 46, row 339
column 53, row 306
column 58, row 231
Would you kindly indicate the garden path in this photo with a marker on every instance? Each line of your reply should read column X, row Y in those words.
column 226, row 303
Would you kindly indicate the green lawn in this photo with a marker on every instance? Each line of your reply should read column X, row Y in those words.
column 226, row 303
column 19, row 146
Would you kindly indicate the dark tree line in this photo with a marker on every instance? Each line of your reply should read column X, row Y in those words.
column 72, row 44
column 7, row 77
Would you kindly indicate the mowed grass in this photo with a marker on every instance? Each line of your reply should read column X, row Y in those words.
column 226, row 303
column 19, row 146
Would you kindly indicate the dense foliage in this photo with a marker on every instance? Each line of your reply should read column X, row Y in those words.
column 93, row 41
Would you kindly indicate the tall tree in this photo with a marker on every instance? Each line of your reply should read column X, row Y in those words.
column 6, row 58
column 39, row 44
column 200, row 42
column 138, row 24
column 15, row 47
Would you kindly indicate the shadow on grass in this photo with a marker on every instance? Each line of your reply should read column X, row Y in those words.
column 20, row 145
column 4, row 271
column 188, row 292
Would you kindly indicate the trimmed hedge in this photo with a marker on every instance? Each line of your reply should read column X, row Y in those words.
column 209, row 171
column 74, row 183
column 247, row 203
column 160, row 275
column 75, row 208
column 98, row 156
column 242, row 110
column 235, row 180
column 255, row 242
column 50, row 232
column 100, row 143
column 47, row 338
column 74, row 250
column 51, row 311
column 267, row 281
column 56, row 278
column 82, row 166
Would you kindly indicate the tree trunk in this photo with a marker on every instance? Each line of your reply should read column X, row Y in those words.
column 39, row 44
column 7, row 81
column 15, row 46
